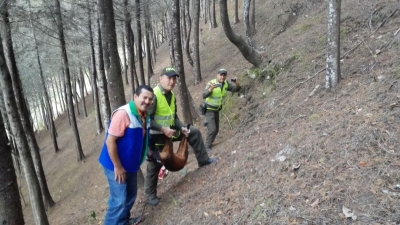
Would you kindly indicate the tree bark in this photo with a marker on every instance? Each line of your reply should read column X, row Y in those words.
column 81, row 87
column 213, row 20
column 114, row 77
column 60, row 29
column 236, row 19
column 252, row 18
column 10, row 201
column 247, row 26
column 139, row 54
column 184, row 99
column 23, row 109
column 124, row 65
column 187, row 41
column 17, row 130
column 196, row 44
column 104, row 100
column 248, row 53
column 95, row 91
column 129, row 46
column 333, row 52
column 147, row 41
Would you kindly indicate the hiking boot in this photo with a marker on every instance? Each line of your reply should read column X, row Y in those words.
column 134, row 221
column 208, row 149
column 208, row 162
column 153, row 201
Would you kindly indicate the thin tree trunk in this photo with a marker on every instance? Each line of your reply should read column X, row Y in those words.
column 333, row 52
column 60, row 93
column 171, row 42
column 187, row 41
column 196, row 44
column 213, row 20
column 104, row 100
column 187, row 117
column 246, row 14
column 252, row 18
column 248, row 53
column 147, row 42
column 139, row 41
column 124, row 65
column 131, row 61
column 236, row 19
column 95, row 91
column 37, row 205
column 55, row 99
column 81, row 85
column 79, row 151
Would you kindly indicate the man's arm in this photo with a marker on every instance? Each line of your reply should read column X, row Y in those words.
column 119, row 170
column 208, row 90
column 233, row 87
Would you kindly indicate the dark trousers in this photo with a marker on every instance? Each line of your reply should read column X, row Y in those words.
column 156, row 143
column 212, row 120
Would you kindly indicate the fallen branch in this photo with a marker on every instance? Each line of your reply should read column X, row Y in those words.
column 304, row 81
column 380, row 25
column 228, row 120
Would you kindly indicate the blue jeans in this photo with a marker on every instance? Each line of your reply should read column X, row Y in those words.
column 122, row 198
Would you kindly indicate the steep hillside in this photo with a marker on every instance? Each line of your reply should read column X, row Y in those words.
column 289, row 151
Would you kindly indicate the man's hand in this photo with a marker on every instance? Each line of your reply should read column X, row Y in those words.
column 185, row 131
column 168, row 131
column 120, row 175
column 212, row 86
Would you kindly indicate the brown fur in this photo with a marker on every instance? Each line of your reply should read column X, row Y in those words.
column 174, row 161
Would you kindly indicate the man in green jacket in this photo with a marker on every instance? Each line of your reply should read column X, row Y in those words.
column 164, row 123
column 213, row 94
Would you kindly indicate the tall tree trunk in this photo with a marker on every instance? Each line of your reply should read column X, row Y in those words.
column 10, row 201
column 184, row 99
column 44, row 89
column 187, row 41
column 23, row 109
column 236, row 19
column 124, row 65
column 74, row 92
column 171, row 42
column 183, row 22
column 95, row 91
column 114, row 77
column 139, row 42
column 196, row 44
column 18, row 132
column 60, row 92
column 55, row 98
column 131, row 61
column 247, row 26
column 213, row 20
column 79, row 151
column 147, row 41
column 248, row 53
column 81, row 87
column 252, row 18
column 333, row 76
column 104, row 100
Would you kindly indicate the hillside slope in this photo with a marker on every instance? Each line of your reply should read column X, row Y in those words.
column 289, row 151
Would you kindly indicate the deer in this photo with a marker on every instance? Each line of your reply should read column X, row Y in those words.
column 175, row 161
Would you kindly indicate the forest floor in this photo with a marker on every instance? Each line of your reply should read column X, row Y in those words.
column 289, row 151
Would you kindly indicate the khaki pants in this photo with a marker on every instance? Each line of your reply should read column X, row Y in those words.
column 212, row 120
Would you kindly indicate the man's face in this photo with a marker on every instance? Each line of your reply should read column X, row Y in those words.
column 168, row 83
column 144, row 100
column 221, row 77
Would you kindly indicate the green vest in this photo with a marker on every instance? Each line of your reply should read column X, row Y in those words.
column 214, row 101
column 164, row 113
